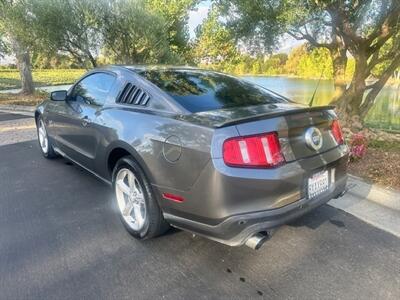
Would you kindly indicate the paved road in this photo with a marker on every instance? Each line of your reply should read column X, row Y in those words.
column 16, row 128
column 59, row 238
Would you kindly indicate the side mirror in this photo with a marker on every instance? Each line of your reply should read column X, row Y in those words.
column 58, row 96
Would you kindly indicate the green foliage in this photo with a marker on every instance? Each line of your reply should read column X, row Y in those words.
column 214, row 45
column 14, row 25
column 69, row 26
column 315, row 63
column 133, row 34
column 42, row 60
column 302, row 61
column 176, row 15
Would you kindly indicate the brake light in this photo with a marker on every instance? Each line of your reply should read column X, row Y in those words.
column 259, row 151
column 337, row 132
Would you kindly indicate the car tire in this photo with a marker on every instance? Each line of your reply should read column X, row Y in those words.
column 142, row 223
column 45, row 144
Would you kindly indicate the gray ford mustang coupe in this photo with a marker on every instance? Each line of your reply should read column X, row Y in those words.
column 199, row 150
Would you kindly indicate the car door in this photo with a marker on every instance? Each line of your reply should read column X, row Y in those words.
column 78, row 132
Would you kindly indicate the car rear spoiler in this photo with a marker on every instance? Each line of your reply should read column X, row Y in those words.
column 273, row 114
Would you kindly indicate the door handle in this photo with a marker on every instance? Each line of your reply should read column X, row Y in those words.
column 86, row 121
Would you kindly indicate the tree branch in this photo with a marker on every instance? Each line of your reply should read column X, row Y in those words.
column 309, row 38
column 377, row 86
column 385, row 29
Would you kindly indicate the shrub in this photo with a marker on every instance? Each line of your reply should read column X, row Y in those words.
column 358, row 146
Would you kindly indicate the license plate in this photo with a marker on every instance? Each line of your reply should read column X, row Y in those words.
column 317, row 184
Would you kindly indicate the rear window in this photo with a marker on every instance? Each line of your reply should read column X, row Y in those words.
column 205, row 90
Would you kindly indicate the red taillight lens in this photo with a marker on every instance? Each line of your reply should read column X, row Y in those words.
column 337, row 132
column 260, row 151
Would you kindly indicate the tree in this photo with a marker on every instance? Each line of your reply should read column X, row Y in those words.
column 70, row 26
column 366, row 29
column 3, row 45
column 133, row 34
column 13, row 28
column 214, row 43
column 176, row 15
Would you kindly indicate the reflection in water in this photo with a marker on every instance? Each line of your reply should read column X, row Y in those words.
column 385, row 113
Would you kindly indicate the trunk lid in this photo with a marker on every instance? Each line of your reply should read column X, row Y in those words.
column 291, row 121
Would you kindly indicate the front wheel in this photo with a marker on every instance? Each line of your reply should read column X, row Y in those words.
column 44, row 142
column 135, row 201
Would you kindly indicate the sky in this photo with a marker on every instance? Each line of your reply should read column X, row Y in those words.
column 196, row 17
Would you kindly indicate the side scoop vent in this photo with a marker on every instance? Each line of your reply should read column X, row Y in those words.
column 133, row 95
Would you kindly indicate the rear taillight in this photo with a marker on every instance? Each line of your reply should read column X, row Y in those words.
column 259, row 151
column 337, row 132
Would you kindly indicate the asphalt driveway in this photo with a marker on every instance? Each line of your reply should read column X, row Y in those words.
column 59, row 238
column 8, row 116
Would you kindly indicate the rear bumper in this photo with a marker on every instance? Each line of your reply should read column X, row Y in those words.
column 236, row 229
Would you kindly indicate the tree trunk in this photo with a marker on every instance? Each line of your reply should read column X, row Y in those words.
column 92, row 59
column 339, row 63
column 24, row 66
column 349, row 103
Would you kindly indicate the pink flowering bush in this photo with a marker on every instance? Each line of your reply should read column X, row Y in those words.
column 358, row 146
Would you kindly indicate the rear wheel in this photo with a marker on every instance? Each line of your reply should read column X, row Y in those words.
column 44, row 142
column 135, row 201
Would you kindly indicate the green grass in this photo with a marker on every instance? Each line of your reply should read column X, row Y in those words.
column 9, row 78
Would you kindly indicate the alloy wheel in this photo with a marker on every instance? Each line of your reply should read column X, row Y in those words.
column 130, row 199
column 43, row 140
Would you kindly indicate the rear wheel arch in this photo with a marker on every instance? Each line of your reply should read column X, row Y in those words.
column 120, row 150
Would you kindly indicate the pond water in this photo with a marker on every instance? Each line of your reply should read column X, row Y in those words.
column 384, row 114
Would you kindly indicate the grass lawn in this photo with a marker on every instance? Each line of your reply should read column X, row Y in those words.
column 9, row 78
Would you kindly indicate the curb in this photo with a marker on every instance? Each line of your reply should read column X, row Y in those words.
column 372, row 204
column 386, row 197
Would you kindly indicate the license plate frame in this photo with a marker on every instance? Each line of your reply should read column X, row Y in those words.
column 318, row 184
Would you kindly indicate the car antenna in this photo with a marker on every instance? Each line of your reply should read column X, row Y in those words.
column 316, row 88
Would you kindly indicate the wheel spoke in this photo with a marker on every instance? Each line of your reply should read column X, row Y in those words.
column 131, row 180
column 128, row 208
column 137, row 188
column 42, row 135
column 138, row 214
column 123, row 187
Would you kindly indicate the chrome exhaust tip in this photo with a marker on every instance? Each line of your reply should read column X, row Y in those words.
column 256, row 241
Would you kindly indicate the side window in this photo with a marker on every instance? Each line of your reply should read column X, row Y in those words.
column 93, row 90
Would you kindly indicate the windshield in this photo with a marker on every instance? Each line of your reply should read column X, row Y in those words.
column 200, row 91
